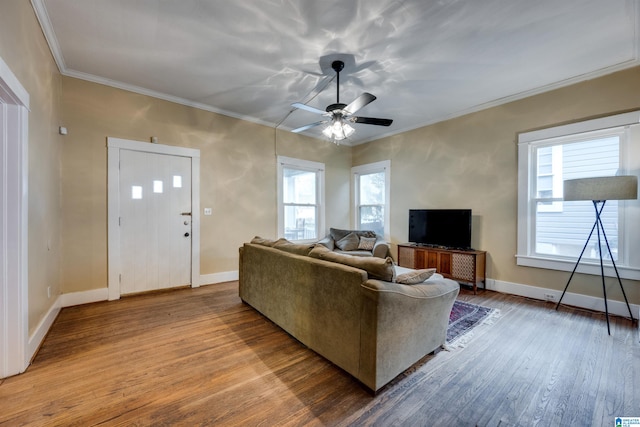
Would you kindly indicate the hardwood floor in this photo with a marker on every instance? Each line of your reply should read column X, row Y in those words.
column 202, row 357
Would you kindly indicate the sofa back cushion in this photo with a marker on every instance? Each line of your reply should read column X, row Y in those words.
column 294, row 248
column 285, row 245
column 262, row 241
column 376, row 268
column 338, row 234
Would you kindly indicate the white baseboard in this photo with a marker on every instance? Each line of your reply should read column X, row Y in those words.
column 84, row 297
column 36, row 338
column 578, row 300
column 225, row 276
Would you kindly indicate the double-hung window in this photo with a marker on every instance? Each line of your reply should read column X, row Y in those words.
column 300, row 199
column 552, row 233
column 371, row 197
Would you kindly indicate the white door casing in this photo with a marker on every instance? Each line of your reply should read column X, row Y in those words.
column 14, row 161
column 155, row 221
column 126, row 235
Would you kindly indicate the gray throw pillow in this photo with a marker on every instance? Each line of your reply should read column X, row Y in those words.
column 349, row 242
column 416, row 276
column 367, row 243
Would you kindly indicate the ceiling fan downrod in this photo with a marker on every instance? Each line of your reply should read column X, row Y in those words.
column 337, row 67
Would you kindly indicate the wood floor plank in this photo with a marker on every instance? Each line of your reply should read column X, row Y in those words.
column 202, row 357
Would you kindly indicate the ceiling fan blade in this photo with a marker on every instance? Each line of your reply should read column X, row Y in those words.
column 309, row 126
column 372, row 121
column 302, row 106
column 359, row 102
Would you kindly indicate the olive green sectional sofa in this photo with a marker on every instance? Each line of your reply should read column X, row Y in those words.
column 355, row 316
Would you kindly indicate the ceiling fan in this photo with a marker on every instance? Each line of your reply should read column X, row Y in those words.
column 340, row 115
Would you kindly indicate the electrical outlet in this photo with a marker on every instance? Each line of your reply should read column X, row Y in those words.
column 48, row 291
column 549, row 297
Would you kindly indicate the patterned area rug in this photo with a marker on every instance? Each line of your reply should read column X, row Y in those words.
column 466, row 316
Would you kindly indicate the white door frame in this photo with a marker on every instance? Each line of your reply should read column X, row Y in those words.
column 14, row 168
column 114, row 145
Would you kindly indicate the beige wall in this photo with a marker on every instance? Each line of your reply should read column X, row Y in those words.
column 24, row 49
column 238, row 174
column 464, row 162
column 471, row 162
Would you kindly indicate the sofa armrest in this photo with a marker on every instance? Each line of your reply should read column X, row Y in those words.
column 381, row 249
column 401, row 324
column 427, row 290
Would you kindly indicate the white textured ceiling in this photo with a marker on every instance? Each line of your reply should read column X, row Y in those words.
column 425, row 60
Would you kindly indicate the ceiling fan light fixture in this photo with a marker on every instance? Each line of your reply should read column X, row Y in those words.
column 338, row 130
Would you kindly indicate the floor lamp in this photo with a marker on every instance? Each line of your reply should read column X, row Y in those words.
column 599, row 190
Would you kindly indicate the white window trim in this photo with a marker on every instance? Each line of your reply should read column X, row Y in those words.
column 356, row 171
column 526, row 143
column 311, row 166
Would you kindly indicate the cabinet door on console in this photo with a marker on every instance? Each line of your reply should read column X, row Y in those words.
column 420, row 259
column 432, row 260
column 464, row 267
column 406, row 257
column 445, row 263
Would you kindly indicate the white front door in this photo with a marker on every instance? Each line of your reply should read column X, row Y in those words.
column 155, row 221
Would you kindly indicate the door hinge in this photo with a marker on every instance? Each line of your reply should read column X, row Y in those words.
column 120, row 278
column 119, row 220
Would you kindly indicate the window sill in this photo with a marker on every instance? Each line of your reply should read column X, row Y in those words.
column 585, row 267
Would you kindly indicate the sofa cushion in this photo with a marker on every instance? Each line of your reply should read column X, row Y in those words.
column 367, row 243
column 349, row 242
column 415, row 276
column 337, row 234
column 357, row 252
column 294, row 248
column 264, row 242
column 376, row 268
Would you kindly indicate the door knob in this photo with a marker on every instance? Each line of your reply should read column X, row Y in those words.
column 186, row 234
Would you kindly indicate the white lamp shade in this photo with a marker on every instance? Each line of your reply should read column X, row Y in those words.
column 602, row 188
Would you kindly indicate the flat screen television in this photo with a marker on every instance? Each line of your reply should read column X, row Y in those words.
column 449, row 228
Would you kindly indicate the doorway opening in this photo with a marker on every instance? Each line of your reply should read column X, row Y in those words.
column 14, row 318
